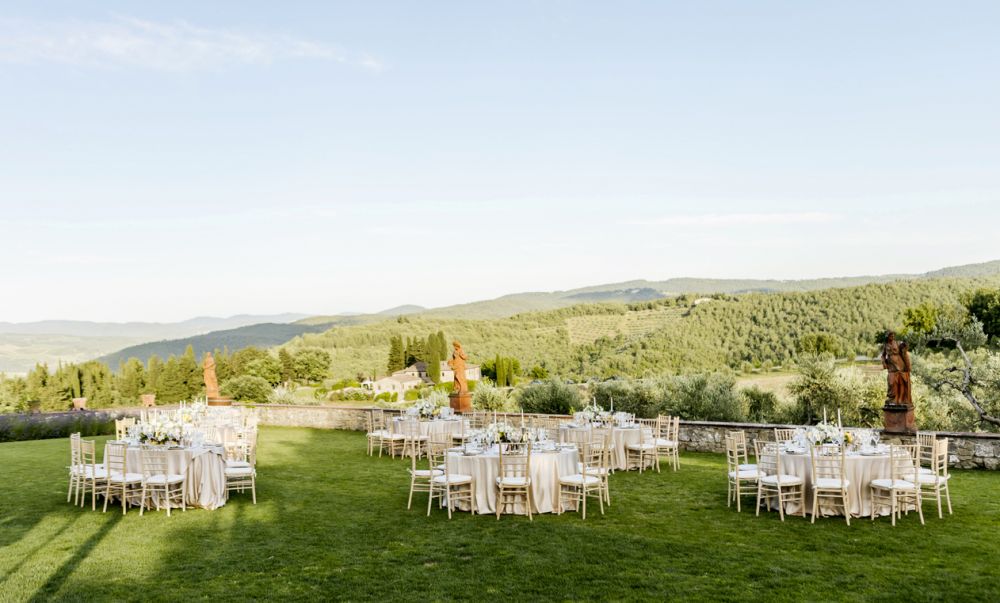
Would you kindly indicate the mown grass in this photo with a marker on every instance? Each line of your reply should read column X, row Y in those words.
column 331, row 523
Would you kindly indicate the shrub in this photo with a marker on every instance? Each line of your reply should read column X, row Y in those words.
column 247, row 388
column 706, row 397
column 760, row 404
column 387, row 397
column 552, row 398
column 821, row 386
column 43, row 426
column 642, row 398
column 490, row 397
column 282, row 395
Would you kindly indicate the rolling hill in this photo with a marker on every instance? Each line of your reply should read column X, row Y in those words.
column 263, row 335
column 655, row 337
column 579, row 330
column 22, row 345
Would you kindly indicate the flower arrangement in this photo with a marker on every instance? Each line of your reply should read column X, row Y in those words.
column 592, row 412
column 160, row 431
column 423, row 408
column 505, row 433
column 826, row 433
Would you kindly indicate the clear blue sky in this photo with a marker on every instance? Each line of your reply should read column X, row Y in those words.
column 165, row 160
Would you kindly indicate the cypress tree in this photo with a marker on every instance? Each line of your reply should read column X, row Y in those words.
column 397, row 359
column 434, row 365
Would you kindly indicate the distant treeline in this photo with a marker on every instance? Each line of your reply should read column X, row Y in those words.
column 179, row 377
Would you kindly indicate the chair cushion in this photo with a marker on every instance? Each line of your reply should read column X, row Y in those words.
column 426, row 472
column 646, row 446
column 745, row 474
column 88, row 471
column 128, row 478
column 453, row 479
column 888, row 484
column 172, row 478
column 782, row 480
column 932, row 479
column 232, row 464
column 665, row 443
column 513, row 481
column 926, row 471
column 597, row 471
column 748, row 467
column 578, row 479
column 831, row 483
column 239, row 471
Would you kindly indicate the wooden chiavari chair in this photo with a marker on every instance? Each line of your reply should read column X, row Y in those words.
column 742, row 476
column 645, row 451
column 901, row 490
column 828, row 479
column 120, row 482
column 447, row 487
column 514, row 480
column 157, row 481
column 787, row 488
column 783, row 435
column 576, row 488
column 936, row 480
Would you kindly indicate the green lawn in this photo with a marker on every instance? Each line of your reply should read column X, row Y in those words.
column 331, row 523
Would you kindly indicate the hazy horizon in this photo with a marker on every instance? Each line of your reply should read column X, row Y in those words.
column 190, row 159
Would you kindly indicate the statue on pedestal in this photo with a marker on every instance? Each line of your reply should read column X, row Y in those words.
column 898, row 414
column 211, row 381
column 896, row 360
column 461, row 400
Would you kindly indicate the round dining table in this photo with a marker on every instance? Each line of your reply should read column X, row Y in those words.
column 859, row 470
column 433, row 427
column 204, row 467
column 545, row 470
column 620, row 438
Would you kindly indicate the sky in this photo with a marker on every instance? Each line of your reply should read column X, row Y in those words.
column 160, row 161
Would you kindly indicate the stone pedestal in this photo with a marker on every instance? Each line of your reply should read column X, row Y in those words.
column 899, row 419
column 220, row 401
column 148, row 400
column 461, row 402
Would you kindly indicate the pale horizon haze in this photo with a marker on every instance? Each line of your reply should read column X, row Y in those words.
column 165, row 161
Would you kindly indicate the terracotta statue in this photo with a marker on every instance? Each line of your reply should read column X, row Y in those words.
column 457, row 364
column 211, row 381
column 896, row 360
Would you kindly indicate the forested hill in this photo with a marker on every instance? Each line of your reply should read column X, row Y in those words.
column 668, row 335
column 261, row 335
column 644, row 290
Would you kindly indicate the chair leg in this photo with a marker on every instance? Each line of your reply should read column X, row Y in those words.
column 815, row 505
column 947, row 494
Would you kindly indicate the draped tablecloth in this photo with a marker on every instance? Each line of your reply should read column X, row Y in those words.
column 620, row 438
column 205, row 469
column 546, row 469
column 440, row 427
column 859, row 471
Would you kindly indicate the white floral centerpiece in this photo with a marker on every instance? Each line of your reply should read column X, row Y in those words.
column 161, row 431
column 826, row 433
column 424, row 409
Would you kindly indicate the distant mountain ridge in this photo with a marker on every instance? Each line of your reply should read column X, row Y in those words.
column 208, row 333
column 144, row 330
column 260, row 335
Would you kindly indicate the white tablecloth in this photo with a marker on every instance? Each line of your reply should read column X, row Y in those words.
column 620, row 438
column 448, row 427
column 859, row 471
column 546, row 469
column 205, row 470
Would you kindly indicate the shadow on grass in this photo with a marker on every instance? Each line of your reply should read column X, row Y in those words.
column 64, row 571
